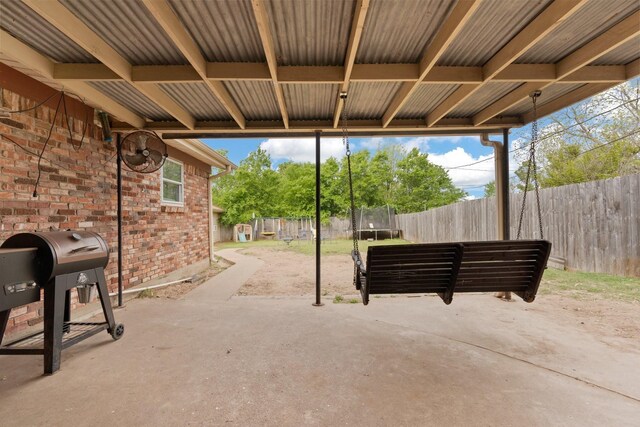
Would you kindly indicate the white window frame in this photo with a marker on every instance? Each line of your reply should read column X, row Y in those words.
column 181, row 184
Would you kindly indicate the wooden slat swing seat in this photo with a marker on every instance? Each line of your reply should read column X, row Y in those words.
column 447, row 268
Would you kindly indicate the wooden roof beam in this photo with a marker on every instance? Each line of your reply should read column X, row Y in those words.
column 241, row 71
column 617, row 35
column 459, row 16
column 586, row 91
column 572, row 65
column 543, row 24
column 632, row 69
column 266, row 37
column 173, row 27
column 71, row 26
column 357, row 25
column 568, row 99
column 20, row 52
column 397, row 126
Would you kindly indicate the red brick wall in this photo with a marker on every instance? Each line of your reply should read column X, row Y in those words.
column 77, row 190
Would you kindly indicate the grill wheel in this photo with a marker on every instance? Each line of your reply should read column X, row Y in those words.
column 117, row 332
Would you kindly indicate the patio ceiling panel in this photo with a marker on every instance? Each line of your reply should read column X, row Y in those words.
column 548, row 94
column 127, row 95
column 483, row 97
column 128, row 28
column 271, row 59
column 623, row 54
column 370, row 100
column 197, row 99
column 225, row 31
column 20, row 20
column 256, row 99
column 398, row 31
column 492, row 26
column 425, row 99
column 310, row 102
column 310, row 32
column 591, row 20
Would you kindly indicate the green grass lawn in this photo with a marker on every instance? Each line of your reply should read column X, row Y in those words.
column 575, row 284
column 581, row 285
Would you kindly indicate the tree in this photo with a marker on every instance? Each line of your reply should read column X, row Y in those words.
column 251, row 189
column 591, row 140
column 423, row 185
column 333, row 192
column 490, row 189
column 297, row 192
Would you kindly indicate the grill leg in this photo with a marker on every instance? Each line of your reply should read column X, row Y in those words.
column 54, row 308
column 4, row 319
column 104, row 299
column 67, row 311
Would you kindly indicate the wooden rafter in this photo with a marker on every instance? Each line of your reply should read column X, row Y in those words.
column 266, row 37
column 459, row 16
column 357, row 25
column 326, row 126
column 173, row 27
column 27, row 56
column 583, row 92
column 542, row 25
column 71, row 26
column 574, row 63
column 235, row 71
column 567, row 100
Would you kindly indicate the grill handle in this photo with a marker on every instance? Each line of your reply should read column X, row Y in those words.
column 84, row 249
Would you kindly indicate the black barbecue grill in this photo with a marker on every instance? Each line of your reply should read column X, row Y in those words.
column 55, row 262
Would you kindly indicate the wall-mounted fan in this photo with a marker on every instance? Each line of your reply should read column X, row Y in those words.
column 143, row 151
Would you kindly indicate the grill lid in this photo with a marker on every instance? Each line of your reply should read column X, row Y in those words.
column 61, row 252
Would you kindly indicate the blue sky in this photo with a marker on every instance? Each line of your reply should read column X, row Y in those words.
column 449, row 151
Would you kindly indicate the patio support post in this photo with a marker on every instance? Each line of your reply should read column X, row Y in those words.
column 501, row 164
column 318, row 303
column 119, row 178
column 504, row 188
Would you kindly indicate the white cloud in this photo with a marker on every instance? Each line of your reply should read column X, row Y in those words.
column 475, row 175
column 421, row 143
column 303, row 149
column 373, row 143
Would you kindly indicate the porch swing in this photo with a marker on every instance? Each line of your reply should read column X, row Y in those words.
column 446, row 268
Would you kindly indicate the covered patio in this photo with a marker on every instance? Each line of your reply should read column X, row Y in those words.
column 254, row 68
column 211, row 358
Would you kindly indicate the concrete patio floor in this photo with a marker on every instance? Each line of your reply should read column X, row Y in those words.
column 213, row 359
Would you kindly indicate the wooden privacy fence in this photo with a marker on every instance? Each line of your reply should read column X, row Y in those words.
column 595, row 225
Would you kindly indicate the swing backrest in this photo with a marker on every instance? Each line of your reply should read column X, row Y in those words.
column 445, row 268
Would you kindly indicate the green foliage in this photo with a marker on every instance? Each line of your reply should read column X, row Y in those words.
column 250, row 190
column 408, row 182
column 490, row 189
column 423, row 185
column 578, row 147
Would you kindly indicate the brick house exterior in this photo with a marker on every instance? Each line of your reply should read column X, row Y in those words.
column 77, row 190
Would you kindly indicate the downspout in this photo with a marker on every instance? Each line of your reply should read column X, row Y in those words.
column 501, row 201
column 210, row 199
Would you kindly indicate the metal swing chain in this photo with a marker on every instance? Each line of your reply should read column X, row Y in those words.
column 532, row 166
column 345, row 141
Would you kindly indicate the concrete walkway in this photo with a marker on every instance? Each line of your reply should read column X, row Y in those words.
column 208, row 359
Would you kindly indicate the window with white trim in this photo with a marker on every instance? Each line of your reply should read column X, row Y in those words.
column 172, row 182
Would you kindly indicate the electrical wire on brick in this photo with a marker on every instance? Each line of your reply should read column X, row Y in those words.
column 34, row 107
column 51, row 162
column 53, row 123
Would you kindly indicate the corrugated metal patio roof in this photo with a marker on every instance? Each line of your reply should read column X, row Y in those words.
column 276, row 67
